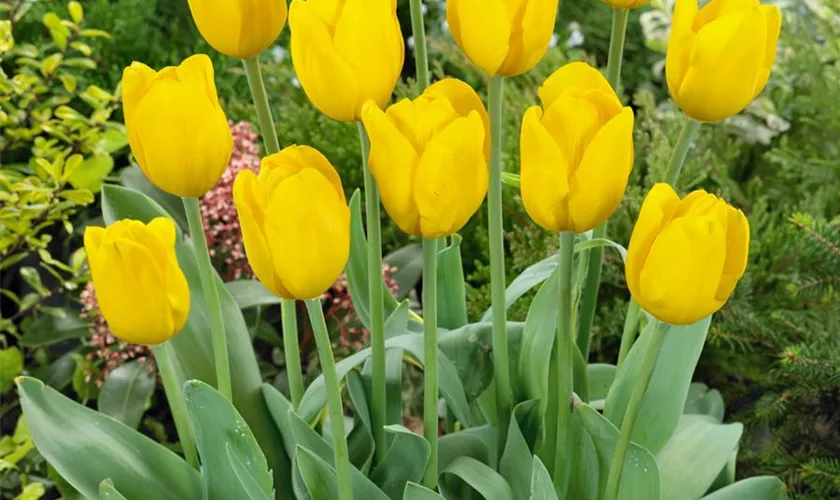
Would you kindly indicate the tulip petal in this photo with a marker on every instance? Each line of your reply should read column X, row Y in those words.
column 537, row 27
column 464, row 100
column 657, row 209
column 737, row 252
column 177, row 288
column 93, row 240
column 773, row 18
column 308, row 227
column 451, row 179
column 393, row 162
column 733, row 49
column 598, row 184
column 577, row 77
column 291, row 161
column 545, row 173
column 484, row 30
column 572, row 123
column 197, row 71
column 716, row 9
column 221, row 23
column 261, row 24
column 164, row 229
column 680, row 43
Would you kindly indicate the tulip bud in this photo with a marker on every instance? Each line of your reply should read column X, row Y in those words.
column 239, row 28
column 576, row 151
column 720, row 57
column 429, row 157
column 346, row 53
column 686, row 256
column 177, row 130
column 295, row 222
column 502, row 37
column 142, row 292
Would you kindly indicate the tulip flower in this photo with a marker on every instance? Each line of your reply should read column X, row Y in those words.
column 176, row 128
column 429, row 157
column 346, row 53
column 239, row 28
column 720, row 57
column 576, row 151
column 686, row 256
column 502, row 37
column 142, row 292
column 295, row 222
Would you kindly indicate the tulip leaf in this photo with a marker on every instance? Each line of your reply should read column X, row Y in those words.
column 64, row 431
column 414, row 491
column 694, row 456
column 516, row 462
column 107, row 491
column 134, row 178
column 541, row 486
column 538, row 340
column 479, row 476
column 404, row 461
column 122, row 203
column 217, row 424
column 408, row 262
column 251, row 293
column 126, row 391
column 321, row 482
column 360, row 438
column 246, row 480
column 585, row 472
column 664, row 401
column 760, row 487
column 476, row 442
column 451, row 287
column 703, row 401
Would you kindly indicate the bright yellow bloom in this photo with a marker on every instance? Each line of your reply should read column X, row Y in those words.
column 686, row 256
column 295, row 222
column 142, row 292
column 576, row 151
column 502, row 37
column 239, row 28
column 429, row 157
column 720, row 57
column 177, row 130
column 346, row 52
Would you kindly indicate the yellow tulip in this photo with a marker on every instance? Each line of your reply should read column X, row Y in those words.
column 429, row 157
column 142, row 292
column 295, row 222
column 576, row 151
column 720, row 57
column 239, row 28
column 502, row 37
column 686, row 256
column 346, row 52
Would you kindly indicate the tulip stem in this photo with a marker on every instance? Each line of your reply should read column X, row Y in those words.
column 675, row 166
column 288, row 308
column 628, row 336
column 639, row 388
column 421, row 57
column 334, row 405
column 173, row 386
column 595, row 257
column 501, row 363
column 430, row 370
column 209, row 284
column 564, row 342
column 377, row 305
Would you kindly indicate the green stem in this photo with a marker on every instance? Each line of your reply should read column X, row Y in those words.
column 211, row 297
column 563, row 345
column 336, row 408
column 632, row 411
column 675, row 166
column 172, row 385
column 377, row 305
column 430, row 370
column 421, row 58
column 288, row 308
column 595, row 256
column 628, row 336
column 501, row 363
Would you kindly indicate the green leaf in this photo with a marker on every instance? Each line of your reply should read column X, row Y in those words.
column 538, row 340
column 640, row 478
column 78, row 196
column 360, row 439
column 541, row 486
column 319, row 477
column 246, row 480
column 113, row 140
column 87, row 447
column 219, row 430
column 132, row 177
column 76, row 11
column 516, row 462
column 123, row 203
column 754, row 488
column 512, row 180
column 414, row 491
column 48, row 329
column 528, row 279
column 251, row 293
column 11, row 364
column 405, row 461
column 451, row 287
column 107, row 491
column 476, row 442
column 703, row 401
column 32, row 491
column 408, row 262
column 92, row 172
column 125, row 392
column 664, row 401
column 601, row 378
column 483, row 479
column 32, row 277
column 694, row 456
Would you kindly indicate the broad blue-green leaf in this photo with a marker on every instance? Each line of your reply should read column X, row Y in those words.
column 251, row 293
column 601, row 377
column 584, row 474
column 476, row 442
column 541, row 486
column 640, row 477
column 408, row 262
column 132, row 177
column 125, row 392
column 451, row 287
column 242, row 472
column 404, row 461
column 664, row 401
column 528, row 279
column 486, row 481
column 523, row 431
column 538, row 340
column 704, row 401
column 218, row 425
column 754, row 488
column 360, row 439
column 87, row 447
column 108, row 492
column 124, row 203
column 695, row 455
column 320, row 479
column 414, row 491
